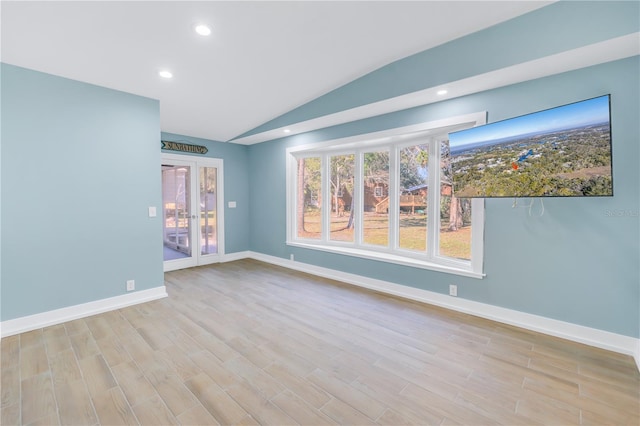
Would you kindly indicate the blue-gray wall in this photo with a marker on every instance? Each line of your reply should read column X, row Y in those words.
column 236, row 187
column 580, row 261
column 80, row 166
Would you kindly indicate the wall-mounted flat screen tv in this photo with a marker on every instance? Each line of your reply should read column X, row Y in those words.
column 559, row 152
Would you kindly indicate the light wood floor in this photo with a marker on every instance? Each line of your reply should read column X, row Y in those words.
column 249, row 343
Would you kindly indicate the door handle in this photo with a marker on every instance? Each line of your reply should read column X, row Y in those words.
column 193, row 216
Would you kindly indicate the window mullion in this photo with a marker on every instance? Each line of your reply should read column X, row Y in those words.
column 358, row 188
column 394, row 190
column 433, row 202
column 292, row 200
column 293, row 194
column 326, row 197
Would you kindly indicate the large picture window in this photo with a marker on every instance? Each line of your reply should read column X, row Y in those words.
column 371, row 196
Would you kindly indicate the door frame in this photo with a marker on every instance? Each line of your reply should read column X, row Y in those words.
column 195, row 163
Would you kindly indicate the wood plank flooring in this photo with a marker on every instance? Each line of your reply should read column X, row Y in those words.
column 249, row 343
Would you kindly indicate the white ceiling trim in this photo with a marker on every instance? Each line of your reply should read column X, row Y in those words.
column 594, row 54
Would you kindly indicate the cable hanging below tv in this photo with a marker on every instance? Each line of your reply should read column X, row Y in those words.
column 559, row 152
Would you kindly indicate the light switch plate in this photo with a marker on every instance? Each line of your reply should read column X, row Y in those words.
column 152, row 212
column 232, row 204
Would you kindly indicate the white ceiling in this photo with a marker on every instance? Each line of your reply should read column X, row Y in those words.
column 262, row 60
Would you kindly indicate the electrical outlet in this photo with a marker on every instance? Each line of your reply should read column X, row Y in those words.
column 131, row 285
column 453, row 290
column 291, row 257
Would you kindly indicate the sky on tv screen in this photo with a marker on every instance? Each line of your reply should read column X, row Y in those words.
column 570, row 116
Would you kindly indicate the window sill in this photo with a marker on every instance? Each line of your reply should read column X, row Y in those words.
column 390, row 258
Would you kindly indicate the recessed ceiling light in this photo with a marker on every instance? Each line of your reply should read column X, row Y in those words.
column 203, row 29
column 441, row 92
column 286, row 130
column 165, row 74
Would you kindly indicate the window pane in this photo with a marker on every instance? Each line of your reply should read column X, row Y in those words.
column 455, row 214
column 176, row 211
column 309, row 202
column 341, row 187
column 375, row 226
column 208, row 211
column 413, row 197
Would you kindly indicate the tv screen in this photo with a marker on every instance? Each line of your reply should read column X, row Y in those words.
column 559, row 152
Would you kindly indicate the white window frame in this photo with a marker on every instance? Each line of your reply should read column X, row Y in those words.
column 393, row 139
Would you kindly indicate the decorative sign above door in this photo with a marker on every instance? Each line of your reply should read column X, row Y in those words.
column 184, row 147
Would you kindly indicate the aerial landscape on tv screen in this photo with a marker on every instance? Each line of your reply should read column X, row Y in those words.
column 560, row 152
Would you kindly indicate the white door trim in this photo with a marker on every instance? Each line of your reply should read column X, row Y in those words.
column 196, row 162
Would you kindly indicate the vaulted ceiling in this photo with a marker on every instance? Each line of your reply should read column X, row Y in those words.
column 261, row 60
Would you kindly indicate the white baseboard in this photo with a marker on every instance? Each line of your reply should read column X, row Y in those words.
column 230, row 257
column 574, row 332
column 58, row 316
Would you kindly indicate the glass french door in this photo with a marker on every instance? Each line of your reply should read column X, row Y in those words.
column 192, row 224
